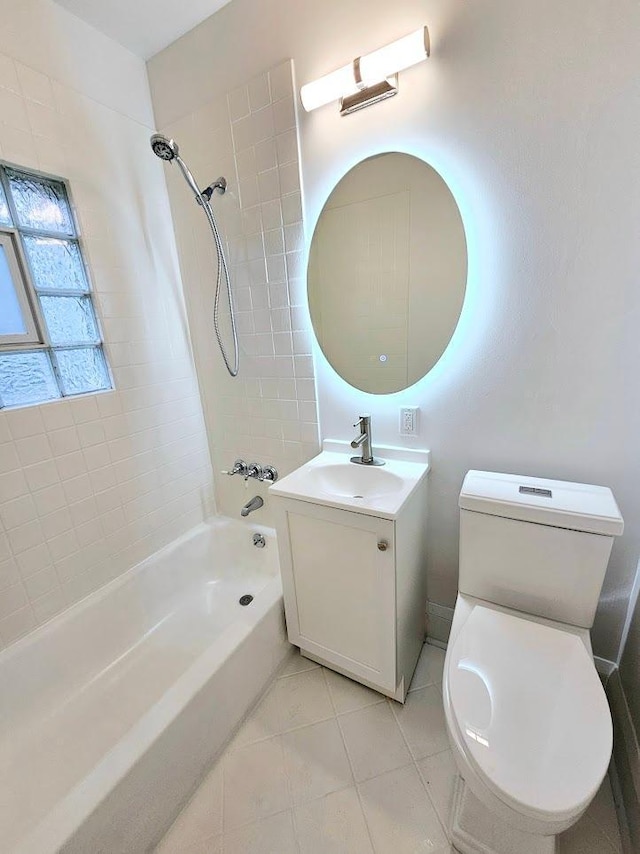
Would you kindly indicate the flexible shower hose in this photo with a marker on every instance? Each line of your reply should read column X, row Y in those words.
column 222, row 269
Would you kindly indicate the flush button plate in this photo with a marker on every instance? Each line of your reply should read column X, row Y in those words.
column 535, row 490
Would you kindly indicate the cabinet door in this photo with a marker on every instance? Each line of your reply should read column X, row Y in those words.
column 340, row 570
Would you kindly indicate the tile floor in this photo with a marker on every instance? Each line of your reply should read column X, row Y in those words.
column 326, row 766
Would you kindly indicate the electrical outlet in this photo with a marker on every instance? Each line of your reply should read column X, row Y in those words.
column 409, row 420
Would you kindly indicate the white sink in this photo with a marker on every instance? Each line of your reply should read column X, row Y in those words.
column 353, row 481
column 331, row 479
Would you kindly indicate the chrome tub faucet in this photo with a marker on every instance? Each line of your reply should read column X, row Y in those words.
column 255, row 504
column 266, row 474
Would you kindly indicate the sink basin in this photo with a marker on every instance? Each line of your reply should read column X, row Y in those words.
column 331, row 479
column 352, row 481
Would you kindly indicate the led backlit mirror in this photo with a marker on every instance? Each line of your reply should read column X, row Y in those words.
column 387, row 272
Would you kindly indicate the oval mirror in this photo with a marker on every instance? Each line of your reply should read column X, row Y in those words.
column 387, row 272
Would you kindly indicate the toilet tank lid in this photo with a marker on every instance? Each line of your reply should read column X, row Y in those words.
column 578, row 506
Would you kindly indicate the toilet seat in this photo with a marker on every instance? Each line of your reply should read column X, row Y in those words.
column 530, row 713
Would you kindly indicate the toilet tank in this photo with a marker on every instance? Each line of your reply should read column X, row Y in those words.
column 538, row 546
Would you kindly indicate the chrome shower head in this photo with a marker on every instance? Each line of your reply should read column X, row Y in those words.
column 167, row 149
column 164, row 148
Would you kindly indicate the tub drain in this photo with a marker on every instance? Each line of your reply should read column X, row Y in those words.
column 247, row 599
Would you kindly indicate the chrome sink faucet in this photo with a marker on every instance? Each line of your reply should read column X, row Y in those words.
column 363, row 440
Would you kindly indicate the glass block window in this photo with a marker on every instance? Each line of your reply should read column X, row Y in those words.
column 50, row 344
column 5, row 218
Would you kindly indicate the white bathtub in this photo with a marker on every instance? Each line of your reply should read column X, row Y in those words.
column 111, row 713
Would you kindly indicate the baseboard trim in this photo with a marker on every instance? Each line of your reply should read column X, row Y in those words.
column 439, row 620
column 625, row 765
column 604, row 667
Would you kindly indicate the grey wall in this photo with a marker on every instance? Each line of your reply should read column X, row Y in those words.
column 531, row 112
column 630, row 668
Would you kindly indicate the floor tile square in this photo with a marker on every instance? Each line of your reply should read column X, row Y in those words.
column 272, row 835
column 297, row 664
column 173, row 844
column 316, row 761
column 374, row 741
column 299, row 700
column 302, row 699
column 400, row 816
column 261, row 723
column 333, row 825
column 348, row 695
column 422, row 722
column 255, row 783
column 439, row 774
column 429, row 667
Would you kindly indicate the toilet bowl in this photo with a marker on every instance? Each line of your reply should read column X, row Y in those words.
column 526, row 714
column 527, row 717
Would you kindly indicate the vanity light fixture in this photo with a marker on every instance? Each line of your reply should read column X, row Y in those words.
column 369, row 78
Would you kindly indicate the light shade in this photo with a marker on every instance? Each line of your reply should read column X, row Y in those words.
column 367, row 70
column 328, row 88
column 394, row 57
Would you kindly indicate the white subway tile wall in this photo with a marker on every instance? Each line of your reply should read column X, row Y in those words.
column 268, row 413
column 89, row 486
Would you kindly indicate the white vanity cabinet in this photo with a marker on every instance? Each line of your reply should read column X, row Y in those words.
column 354, row 586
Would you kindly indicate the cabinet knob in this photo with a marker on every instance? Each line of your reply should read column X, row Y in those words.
column 383, row 545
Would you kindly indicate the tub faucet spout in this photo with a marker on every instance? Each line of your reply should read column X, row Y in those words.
column 255, row 504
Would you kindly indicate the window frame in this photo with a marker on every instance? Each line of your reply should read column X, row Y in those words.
column 25, row 292
column 41, row 340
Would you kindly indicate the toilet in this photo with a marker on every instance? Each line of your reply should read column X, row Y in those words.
column 526, row 714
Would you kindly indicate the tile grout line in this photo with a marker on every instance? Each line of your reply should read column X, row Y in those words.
column 611, row 845
column 344, row 744
column 324, row 720
column 292, row 806
column 223, row 754
column 287, row 781
column 296, row 673
column 279, row 737
column 248, row 824
column 445, row 828
column 415, row 764
column 270, row 689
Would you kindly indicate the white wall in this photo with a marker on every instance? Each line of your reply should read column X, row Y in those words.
column 531, row 112
column 48, row 39
column 91, row 485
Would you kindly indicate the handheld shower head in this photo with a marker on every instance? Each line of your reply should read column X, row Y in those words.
column 167, row 149
column 164, row 148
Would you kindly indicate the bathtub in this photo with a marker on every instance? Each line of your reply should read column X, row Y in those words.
column 111, row 713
